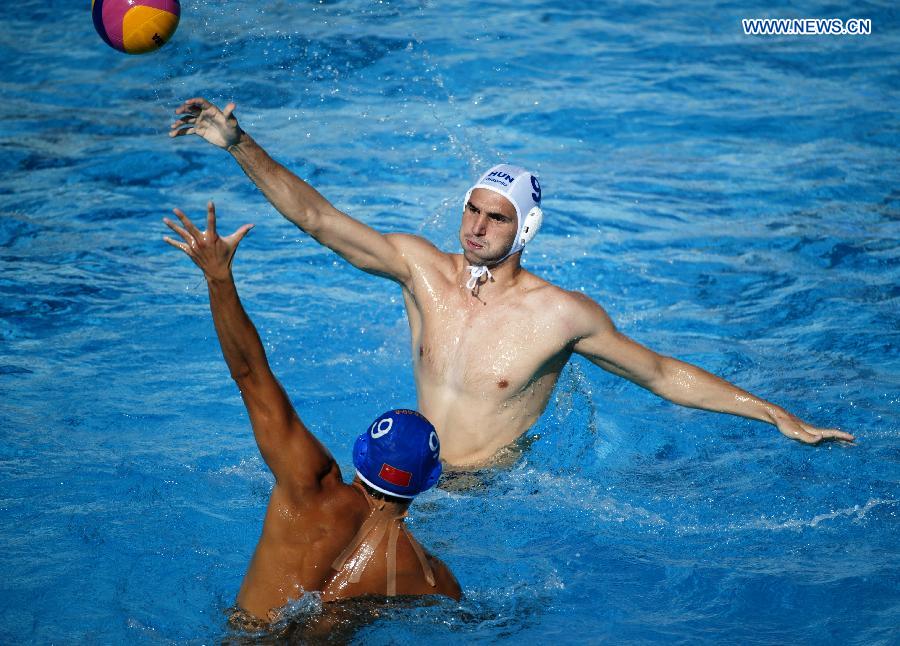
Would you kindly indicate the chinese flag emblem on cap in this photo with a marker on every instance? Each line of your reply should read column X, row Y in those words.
column 395, row 476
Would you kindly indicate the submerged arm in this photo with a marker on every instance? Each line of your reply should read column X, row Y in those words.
column 681, row 382
column 292, row 453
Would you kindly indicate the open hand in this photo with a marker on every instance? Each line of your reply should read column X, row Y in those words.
column 208, row 251
column 796, row 429
column 206, row 120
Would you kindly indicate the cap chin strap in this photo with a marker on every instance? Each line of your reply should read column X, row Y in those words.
column 477, row 272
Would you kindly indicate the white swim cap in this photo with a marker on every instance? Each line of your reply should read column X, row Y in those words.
column 522, row 189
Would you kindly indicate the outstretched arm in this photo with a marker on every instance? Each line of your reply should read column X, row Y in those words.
column 293, row 454
column 681, row 382
column 359, row 244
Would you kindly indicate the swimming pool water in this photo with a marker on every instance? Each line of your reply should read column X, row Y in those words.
column 730, row 200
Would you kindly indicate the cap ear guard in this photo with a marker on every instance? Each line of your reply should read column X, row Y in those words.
column 433, row 477
column 360, row 450
column 434, row 445
column 531, row 225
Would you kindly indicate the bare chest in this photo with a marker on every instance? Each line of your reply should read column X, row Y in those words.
column 499, row 346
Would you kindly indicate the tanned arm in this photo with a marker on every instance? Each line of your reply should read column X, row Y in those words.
column 292, row 453
column 681, row 382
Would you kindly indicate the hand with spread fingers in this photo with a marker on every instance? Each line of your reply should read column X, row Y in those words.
column 210, row 252
column 795, row 428
column 202, row 118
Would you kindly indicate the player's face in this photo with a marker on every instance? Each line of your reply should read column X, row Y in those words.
column 489, row 226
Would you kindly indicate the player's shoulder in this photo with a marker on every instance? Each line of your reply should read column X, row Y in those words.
column 570, row 301
column 411, row 244
column 579, row 300
column 588, row 313
column 422, row 254
column 580, row 313
column 416, row 250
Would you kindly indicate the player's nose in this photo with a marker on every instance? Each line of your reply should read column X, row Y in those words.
column 479, row 225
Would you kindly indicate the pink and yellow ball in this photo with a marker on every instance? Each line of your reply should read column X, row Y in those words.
column 135, row 26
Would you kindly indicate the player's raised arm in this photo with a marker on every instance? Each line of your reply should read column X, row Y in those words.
column 293, row 454
column 680, row 382
column 358, row 243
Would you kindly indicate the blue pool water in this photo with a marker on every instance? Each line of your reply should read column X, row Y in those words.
column 730, row 200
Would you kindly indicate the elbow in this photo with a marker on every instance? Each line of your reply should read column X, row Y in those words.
column 312, row 221
column 325, row 223
column 678, row 383
column 672, row 381
column 660, row 376
column 240, row 374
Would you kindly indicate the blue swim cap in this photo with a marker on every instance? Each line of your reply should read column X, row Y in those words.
column 398, row 454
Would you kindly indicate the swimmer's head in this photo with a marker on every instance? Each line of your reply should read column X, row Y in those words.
column 523, row 191
column 399, row 454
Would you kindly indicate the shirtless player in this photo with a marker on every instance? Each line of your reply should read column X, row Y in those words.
column 319, row 534
column 489, row 338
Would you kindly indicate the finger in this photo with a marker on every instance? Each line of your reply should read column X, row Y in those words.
column 177, row 229
column 177, row 245
column 229, row 109
column 828, row 433
column 796, row 430
column 835, row 434
column 186, row 119
column 238, row 235
column 190, row 226
column 235, row 239
column 797, row 433
column 211, row 218
column 187, row 107
column 183, row 131
column 195, row 104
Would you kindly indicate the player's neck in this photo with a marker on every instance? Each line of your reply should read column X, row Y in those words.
column 382, row 504
column 498, row 278
column 381, row 510
column 509, row 271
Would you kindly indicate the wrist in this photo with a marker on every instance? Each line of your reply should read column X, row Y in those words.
column 241, row 141
column 776, row 414
column 219, row 278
